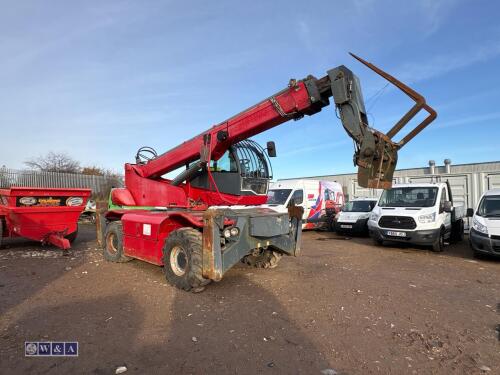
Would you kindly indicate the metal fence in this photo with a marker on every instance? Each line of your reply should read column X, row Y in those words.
column 98, row 184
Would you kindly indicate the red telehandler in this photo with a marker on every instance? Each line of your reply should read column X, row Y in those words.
column 212, row 215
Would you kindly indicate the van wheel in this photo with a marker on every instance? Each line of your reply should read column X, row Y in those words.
column 438, row 245
column 182, row 260
column 266, row 259
column 113, row 243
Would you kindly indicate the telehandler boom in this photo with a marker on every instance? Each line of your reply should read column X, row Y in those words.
column 208, row 218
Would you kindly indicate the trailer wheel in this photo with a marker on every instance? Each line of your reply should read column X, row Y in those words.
column 266, row 259
column 182, row 260
column 113, row 243
column 1, row 231
column 72, row 236
column 438, row 245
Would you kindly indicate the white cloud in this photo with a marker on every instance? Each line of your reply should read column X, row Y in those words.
column 439, row 65
column 434, row 13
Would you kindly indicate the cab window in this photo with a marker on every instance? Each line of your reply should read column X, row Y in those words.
column 298, row 197
column 225, row 164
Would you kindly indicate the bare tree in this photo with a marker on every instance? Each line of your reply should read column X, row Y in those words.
column 113, row 180
column 54, row 162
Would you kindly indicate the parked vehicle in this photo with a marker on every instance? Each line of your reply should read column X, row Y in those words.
column 47, row 215
column 89, row 213
column 421, row 214
column 353, row 218
column 484, row 236
column 312, row 195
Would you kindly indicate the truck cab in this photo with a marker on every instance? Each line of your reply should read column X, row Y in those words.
column 484, row 237
column 420, row 214
column 354, row 216
column 312, row 195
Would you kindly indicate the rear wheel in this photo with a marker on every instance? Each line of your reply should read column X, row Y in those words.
column 457, row 231
column 1, row 231
column 182, row 260
column 265, row 259
column 113, row 243
column 438, row 245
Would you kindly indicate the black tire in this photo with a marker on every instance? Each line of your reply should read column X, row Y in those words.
column 113, row 243
column 457, row 231
column 438, row 245
column 266, row 259
column 377, row 241
column 331, row 224
column 72, row 236
column 182, row 260
column 1, row 231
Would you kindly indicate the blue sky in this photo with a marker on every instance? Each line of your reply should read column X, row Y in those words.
column 98, row 79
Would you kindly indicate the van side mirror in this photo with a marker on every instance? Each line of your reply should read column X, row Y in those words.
column 271, row 149
column 447, row 207
column 470, row 212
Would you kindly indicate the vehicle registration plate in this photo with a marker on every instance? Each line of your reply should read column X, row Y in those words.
column 396, row 234
column 346, row 226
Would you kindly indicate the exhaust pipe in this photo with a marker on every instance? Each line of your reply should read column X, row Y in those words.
column 447, row 166
column 432, row 167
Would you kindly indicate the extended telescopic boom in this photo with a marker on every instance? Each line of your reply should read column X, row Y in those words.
column 375, row 152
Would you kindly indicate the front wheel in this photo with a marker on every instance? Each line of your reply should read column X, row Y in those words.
column 438, row 245
column 182, row 260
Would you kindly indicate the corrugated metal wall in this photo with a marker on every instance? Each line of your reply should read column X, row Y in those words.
column 468, row 181
column 98, row 184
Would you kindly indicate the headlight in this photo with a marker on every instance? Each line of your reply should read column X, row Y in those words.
column 429, row 218
column 231, row 232
column 364, row 216
column 373, row 216
column 479, row 227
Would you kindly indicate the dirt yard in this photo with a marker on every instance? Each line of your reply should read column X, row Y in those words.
column 343, row 307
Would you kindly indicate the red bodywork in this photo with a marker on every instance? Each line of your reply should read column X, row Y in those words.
column 144, row 231
column 148, row 188
column 42, row 214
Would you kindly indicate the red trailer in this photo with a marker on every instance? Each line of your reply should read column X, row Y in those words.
column 48, row 215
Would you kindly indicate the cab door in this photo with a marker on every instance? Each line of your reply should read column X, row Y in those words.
column 445, row 216
column 298, row 199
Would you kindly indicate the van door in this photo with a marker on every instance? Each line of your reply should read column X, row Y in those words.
column 446, row 216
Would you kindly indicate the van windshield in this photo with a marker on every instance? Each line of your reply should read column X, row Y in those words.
column 409, row 197
column 489, row 206
column 278, row 196
column 359, row 206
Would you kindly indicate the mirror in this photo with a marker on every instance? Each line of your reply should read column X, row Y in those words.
column 470, row 212
column 447, row 207
column 271, row 149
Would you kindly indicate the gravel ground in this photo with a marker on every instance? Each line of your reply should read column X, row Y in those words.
column 344, row 306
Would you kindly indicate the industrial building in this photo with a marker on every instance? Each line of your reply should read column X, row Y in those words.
column 467, row 181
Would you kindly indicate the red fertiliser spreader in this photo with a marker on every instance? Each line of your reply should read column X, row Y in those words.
column 48, row 215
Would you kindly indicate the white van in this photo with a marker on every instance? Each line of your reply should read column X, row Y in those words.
column 484, row 236
column 312, row 195
column 354, row 216
column 421, row 214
